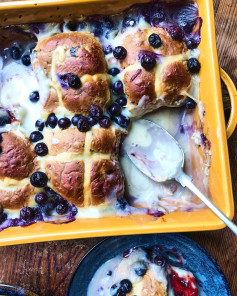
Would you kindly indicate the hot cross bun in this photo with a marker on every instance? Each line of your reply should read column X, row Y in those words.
column 166, row 84
column 72, row 72
column 17, row 163
column 81, row 166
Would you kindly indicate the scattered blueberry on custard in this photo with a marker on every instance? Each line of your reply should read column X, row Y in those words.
column 67, row 97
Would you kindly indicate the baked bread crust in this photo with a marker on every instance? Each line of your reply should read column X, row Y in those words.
column 149, row 286
column 17, row 160
column 71, row 53
column 167, row 84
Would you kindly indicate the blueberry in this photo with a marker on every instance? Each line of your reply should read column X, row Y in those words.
column 40, row 124
column 120, row 293
column 1, row 138
column 140, row 271
column 36, row 137
column 52, row 120
column 187, row 26
column 95, row 111
column 109, row 273
column 115, row 109
column 126, row 286
column 34, row 96
column 122, row 101
column 39, row 179
column 64, row 123
column 81, row 25
column 27, row 213
column 92, row 121
column 159, row 260
column 0, row 149
column 72, row 25
column 128, row 22
column 158, row 17
column 191, row 44
column 73, row 51
column 74, row 81
column 114, row 289
column 41, row 198
column 83, row 124
column 139, row 268
column 75, row 119
column 108, row 22
column 190, row 104
column 49, row 191
column 62, row 208
column 4, row 119
column 114, row 71
column 74, row 210
column 3, row 217
column 121, row 203
column 41, row 149
column 108, row 49
column 26, row 60
column 193, row 66
column 48, row 208
column 120, row 52
column 105, row 122
column 176, row 33
column 97, row 28
column 117, row 87
column 122, row 121
column 15, row 52
column 148, row 62
column 154, row 40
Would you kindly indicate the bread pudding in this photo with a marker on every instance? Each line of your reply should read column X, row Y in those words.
column 69, row 93
column 143, row 272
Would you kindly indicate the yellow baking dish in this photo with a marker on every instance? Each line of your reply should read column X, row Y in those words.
column 214, row 125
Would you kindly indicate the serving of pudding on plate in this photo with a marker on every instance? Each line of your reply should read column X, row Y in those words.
column 69, row 93
column 143, row 272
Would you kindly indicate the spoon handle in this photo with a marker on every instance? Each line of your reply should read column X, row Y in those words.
column 186, row 181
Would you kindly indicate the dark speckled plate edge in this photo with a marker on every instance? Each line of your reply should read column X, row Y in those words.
column 8, row 290
column 140, row 242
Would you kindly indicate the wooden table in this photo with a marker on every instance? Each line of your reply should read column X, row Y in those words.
column 46, row 268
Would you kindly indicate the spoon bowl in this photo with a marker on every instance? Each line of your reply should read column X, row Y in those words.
column 154, row 151
column 159, row 156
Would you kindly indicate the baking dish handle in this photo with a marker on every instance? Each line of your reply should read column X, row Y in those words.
column 233, row 99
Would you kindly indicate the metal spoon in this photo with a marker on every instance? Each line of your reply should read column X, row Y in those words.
column 159, row 156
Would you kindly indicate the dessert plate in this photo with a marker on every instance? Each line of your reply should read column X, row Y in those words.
column 208, row 274
column 7, row 290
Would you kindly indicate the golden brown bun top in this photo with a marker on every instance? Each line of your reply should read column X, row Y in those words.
column 17, row 163
column 166, row 84
column 83, row 167
column 74, row 53
column 87, row 57
column 139, row 41
column 17, row 160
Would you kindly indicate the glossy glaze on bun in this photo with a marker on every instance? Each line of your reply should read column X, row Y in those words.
column 167, row 84
column 77, row 53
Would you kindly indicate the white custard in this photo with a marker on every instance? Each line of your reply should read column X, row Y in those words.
column 123, row 268
column 17, row 82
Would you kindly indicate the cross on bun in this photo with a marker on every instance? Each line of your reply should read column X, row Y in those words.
column 57, row 58
column 166, row 84
column 17, row 163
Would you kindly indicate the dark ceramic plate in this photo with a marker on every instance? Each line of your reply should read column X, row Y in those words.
column 7, row 290
column 208, row 274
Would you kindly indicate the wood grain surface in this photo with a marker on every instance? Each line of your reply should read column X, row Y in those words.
column 46, row 268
